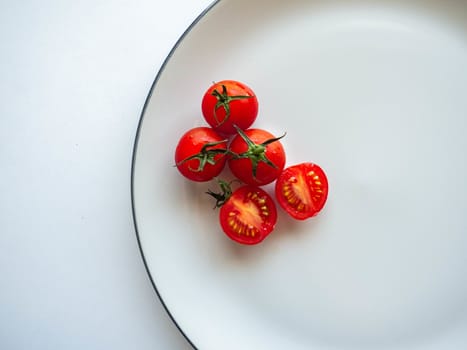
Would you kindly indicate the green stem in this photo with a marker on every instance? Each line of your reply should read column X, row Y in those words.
column 223, row 100
column 256, row 152
column 224, row 195
column 206, row 155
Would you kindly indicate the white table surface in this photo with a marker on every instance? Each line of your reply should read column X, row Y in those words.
column 74, row 76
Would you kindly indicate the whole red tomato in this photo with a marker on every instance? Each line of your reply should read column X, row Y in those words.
column 248, row 216
column 302, row 190
column 201, row 154
column 228, row 103
column 257, row 157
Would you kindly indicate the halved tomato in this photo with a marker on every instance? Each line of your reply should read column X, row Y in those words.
column 248, row 216
column 302, row 190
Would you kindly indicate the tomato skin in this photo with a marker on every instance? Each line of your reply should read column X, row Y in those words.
column 243, row 111
column 248, row 216
column 191, row 144
column 242, row 168
column 302, row 190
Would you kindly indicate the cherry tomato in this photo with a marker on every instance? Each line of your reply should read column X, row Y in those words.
column 248, row 216
column 200, row 154
column 258, row 157
column 302, row 190
column 228, row 103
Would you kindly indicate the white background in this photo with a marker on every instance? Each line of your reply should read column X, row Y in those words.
column 74, row 76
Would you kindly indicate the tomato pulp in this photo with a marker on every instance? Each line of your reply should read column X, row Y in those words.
column 302, row 190
column 248, row 216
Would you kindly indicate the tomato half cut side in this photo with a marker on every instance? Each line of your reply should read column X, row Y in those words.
column 248, row 216
column 302, row 190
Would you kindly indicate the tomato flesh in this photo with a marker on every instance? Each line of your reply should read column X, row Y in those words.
column 248, row 216
column 302, row 190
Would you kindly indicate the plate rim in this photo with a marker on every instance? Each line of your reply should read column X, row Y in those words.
column 133, row 161
column 153, row 87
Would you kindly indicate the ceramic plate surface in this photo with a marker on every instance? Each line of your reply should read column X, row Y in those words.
column 376, row 93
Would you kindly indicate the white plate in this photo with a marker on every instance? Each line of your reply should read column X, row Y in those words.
column 376, row 93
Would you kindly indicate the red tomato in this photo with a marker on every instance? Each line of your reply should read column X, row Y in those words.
column 200, row 154
column 228, row 103
column 302, row 190
column 248, row 216
column 258, row 157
